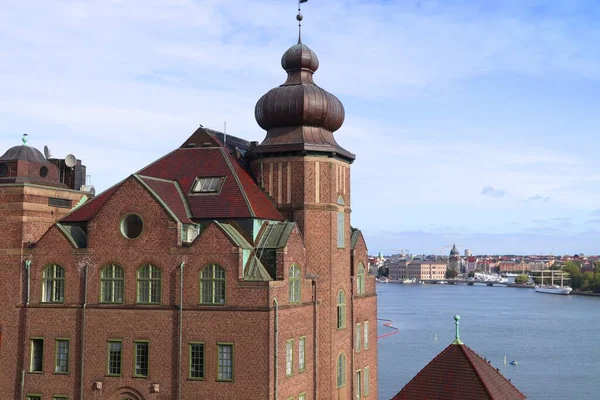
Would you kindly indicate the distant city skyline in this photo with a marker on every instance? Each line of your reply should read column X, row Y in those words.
column 474, row 123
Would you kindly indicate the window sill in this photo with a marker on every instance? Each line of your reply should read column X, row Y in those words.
column 113, row 375
column 60, row 373
column 224, row 380
column 195, row 379
column 36, row 372
column 140, row 376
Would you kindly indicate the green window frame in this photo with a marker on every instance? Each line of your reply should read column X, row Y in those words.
column 212, row 285
column 358, row 383
column 149, row 284
column 112, row 284
column 366, row 378
column 141, row 358
column 341, row 370
column 360, row 280
column 225, row 362
column 53, row 284
column 302, row 396
column 61, row 360
column 60, row 398
column 114, row 361
column 357, row 335
column 366, row 335
column 36, row 360
column 302, row 353
column 289, row 357
column 35, row 396
column 295, row 284
column 341, row 309
column 196, row 361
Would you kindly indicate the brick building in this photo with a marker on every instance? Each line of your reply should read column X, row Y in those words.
column 223, row 270
column 33, row 196
column 417, row 269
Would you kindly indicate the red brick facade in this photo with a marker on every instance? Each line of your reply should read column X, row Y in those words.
column 259, row 316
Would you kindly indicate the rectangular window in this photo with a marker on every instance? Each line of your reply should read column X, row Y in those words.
column 341, row 230
column 62, row 356
column 357, row 334
column 225, row 362
column 196, row 360
column 366, row 385
column 289, row 356
column 62, row 203
column 302, row 353
column 141, row 358
column 115, row 357
column 366, row 335
column 34, row 397
column 358, row 391
column 37, row 355
column 208, row 185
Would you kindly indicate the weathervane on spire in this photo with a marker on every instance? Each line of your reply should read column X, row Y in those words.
column 299, row 17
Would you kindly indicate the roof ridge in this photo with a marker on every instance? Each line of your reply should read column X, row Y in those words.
column 156, row 197
column 485, row 386
column 495, row 370
column 154, row 178
column 239, row 184
column 87, row 203
column 184, row 200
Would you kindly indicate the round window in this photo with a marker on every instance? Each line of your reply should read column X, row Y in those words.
column 3, row 170
column 132, row 226
column 43, row 172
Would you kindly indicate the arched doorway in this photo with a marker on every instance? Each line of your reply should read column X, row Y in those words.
column 126, row 393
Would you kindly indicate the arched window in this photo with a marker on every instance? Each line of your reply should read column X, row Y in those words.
column 53, row 284
column 341, row 309
column 112, row 283
column 341, row 370
column 294, row 284
column 212, row 285
column 360, row 279
column 149, row 285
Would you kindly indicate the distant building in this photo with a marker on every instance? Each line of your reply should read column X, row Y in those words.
column 454, row 261
column 468, row 253
column 471, row 264
column 459, row 373
column 416, row 269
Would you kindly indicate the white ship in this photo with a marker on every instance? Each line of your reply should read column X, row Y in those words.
column 553, row 289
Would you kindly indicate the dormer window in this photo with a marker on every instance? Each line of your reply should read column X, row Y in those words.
column 210, row 185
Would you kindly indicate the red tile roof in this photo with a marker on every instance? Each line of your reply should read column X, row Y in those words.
column 204, row 156
column 88, row 210
column 239, row 197
column 459, row 373
column 169, row 193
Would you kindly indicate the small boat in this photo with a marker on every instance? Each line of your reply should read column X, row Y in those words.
column 383, row 279
column 513, row 362
column 408, row 281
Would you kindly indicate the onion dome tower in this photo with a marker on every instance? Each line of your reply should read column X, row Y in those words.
column 454, row 262
column 299, row 116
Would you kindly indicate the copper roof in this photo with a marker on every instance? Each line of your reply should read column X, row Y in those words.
column 299, row 115
column 22, row 152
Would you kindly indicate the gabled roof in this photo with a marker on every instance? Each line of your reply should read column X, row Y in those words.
column 87, row 211
column 74, row 234
column 171, row 178
column 459, row 373
column 171, row 196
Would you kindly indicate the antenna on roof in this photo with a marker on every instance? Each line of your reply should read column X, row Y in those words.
column 47, row 153
column 70, row 160
column 299, row 17
column 225, row 134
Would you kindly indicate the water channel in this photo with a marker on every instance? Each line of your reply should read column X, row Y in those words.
column 555, row 339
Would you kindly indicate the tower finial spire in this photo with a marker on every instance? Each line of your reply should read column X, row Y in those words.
column 457, row 323
column 24, row 139
column 299, row 17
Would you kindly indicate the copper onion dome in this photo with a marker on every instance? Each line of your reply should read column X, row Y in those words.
column 299, row 115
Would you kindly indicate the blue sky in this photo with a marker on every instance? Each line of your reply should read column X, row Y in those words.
column 474, row 122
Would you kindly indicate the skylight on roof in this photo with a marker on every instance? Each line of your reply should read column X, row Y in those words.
column 208, row 185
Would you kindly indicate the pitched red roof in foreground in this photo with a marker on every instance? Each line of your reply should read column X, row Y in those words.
column 169, row 193
column 458, row 373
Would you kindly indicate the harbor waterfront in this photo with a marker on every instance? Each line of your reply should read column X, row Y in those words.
column 552, row 338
